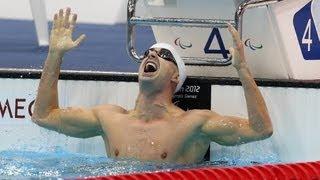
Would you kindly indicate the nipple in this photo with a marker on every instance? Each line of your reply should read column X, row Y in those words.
column 116, row 152
column 164, row 155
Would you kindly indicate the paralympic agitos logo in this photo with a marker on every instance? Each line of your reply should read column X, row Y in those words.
column 182, row 44
column 252, row 46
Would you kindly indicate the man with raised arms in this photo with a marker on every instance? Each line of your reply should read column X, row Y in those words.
column 156, row 129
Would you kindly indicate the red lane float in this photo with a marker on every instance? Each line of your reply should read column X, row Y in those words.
column 303, row 171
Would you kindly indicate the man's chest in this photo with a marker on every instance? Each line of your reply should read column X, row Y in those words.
column 159, row 135
column 149, row 133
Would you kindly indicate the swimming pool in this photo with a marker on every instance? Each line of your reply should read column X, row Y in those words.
column 59, row 163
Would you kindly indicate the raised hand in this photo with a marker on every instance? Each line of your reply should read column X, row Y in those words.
column 237, row 51
column 62, row 31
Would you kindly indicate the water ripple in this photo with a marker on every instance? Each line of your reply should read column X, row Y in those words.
column 62, row 164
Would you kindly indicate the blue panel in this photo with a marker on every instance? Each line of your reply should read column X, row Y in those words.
column 307, row 34
column 103, row 50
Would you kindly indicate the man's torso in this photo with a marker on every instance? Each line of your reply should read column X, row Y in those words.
column 172, row 139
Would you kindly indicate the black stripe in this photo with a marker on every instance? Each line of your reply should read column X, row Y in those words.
column 200, row 80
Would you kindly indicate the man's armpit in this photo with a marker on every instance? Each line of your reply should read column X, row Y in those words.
column 231, row 140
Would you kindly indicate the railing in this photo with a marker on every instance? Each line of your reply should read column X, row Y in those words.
column 133, row 20
column 38, row 10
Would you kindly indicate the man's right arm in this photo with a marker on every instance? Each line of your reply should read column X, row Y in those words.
column 78, row 122
column 75, row 121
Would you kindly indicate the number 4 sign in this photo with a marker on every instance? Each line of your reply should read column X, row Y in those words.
column 223, row 51
column 304, row 23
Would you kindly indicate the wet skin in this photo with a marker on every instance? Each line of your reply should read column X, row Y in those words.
column 171, row 139
column 155, row 130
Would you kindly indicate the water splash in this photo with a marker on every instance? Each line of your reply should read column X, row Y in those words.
column 61, row 164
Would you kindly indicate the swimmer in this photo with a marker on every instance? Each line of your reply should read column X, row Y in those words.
column 156, row 129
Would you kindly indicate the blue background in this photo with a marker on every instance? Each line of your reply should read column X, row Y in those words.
column 103, row 50
column 300, row 22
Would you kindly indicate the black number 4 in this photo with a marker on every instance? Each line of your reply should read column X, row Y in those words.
column 216, row 33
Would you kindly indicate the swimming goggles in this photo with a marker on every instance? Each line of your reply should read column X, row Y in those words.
column 162, row 53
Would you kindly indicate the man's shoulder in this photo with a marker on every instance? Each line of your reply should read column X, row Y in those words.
column 199, row 114
column 109, row 108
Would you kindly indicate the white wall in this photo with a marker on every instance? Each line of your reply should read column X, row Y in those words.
column 22, row 134
column 295, row 116
column 90, row 11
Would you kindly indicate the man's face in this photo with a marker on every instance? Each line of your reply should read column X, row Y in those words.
column 157, row 69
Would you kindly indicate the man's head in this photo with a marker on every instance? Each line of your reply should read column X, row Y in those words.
column 161, row 68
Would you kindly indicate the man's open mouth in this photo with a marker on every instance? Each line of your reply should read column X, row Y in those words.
column 150, row 67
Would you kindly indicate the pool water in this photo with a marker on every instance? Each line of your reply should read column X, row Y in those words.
column 63, row 164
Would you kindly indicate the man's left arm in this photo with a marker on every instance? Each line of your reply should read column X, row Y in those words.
column 233, row 130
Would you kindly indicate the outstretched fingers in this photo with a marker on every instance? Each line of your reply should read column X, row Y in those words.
column 235, row 35
column 62, row 31
column 237, row 52
column 60, row 19
column 79, row 40
column 231, row 50
column 73, row 22
column 66, row 21
column 55, row 21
